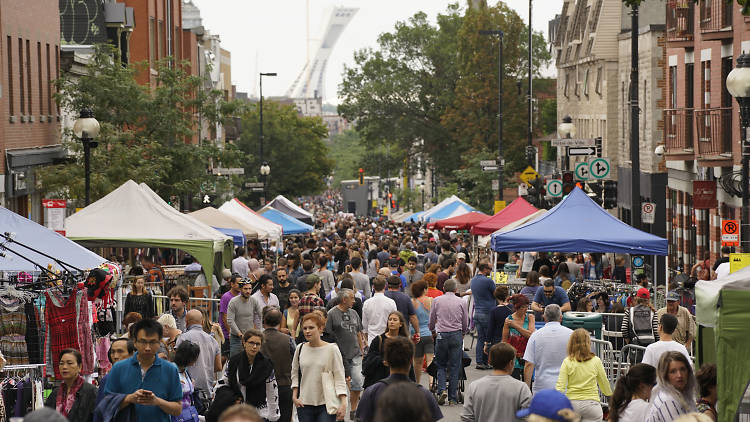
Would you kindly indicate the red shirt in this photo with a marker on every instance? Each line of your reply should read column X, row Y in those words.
column 433, row 292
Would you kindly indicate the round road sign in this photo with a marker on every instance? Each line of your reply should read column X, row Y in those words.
column 554, row 187
column 638, row 261
column 582, row 171
column 599, row 168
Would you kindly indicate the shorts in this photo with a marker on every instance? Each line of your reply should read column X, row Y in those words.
column 425, row 346
column 353, row 369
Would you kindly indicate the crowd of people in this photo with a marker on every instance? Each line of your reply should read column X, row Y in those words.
column 349, row 323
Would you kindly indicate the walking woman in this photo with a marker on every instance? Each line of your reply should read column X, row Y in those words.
column 582, row 376
column 517, row 329
column 432, row 290
column 674, row 394
column 629, row 402
column 498, row 315
column 74, row 398
column 463, row 278
column 291, row 314
column 311, row 361
column 251, row 376
column 140, row 300
column 185, row 355
column 425, row 349
column 373, row 367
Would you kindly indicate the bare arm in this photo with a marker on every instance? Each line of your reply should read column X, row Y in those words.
column 506, row 331
column 538, row 308
column 565, row 307
column 528, row 369
column 217, row 363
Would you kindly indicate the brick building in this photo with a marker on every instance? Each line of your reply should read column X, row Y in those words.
column 701, row 133
column 29, row 118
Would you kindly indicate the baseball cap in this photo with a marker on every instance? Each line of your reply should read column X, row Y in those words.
column 460, row 255
column 643, row 293
column 673, row 296
column 547, row 403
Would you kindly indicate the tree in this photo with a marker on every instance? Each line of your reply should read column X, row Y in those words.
column 347, row 154
column 293, row 146
column 143, row 132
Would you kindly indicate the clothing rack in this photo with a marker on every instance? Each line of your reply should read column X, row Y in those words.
column 11, row 368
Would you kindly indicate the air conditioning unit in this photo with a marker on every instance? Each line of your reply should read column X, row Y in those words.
column 12, row 119
column 31, row 119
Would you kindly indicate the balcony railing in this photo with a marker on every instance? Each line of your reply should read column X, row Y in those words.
column 678, row 127
column 716, row 15
column 714, row 131
column 680, row 20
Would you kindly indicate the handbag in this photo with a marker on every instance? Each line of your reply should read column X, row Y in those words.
column 519, row 343
column 329, row 386
column 189, row 414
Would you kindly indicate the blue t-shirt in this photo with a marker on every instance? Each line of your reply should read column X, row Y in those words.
column 560, row 297
column 483, row 292
column 162, row 378
column 403, row 303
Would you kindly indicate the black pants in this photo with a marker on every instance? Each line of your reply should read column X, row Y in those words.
column 285, row 403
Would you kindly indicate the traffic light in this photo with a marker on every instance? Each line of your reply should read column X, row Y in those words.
column 596, row 192
column 610, row 194
column 536, row 192
column 361, row 176
column 568, row 182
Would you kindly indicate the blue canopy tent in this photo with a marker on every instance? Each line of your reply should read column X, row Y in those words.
column 578, row 224
column 289, row 224
column 44, row 240
column 236, row 234
column 414, row 217
column 453, row 209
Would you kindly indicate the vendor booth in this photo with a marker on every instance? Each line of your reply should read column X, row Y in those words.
column 449, row 207
column 289, row 224
column 461, row 222
column 134, row 216
column 413, row 218
column 723, row 319
column 266, row 229
column 516, row 210
column 280, row 203
column 225, row 224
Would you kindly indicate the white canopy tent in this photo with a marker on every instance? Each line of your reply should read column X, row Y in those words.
column 281, row 203
column 216, row 218
column 265, row 228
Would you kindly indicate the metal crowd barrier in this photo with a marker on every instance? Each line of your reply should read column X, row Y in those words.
column 208, row 304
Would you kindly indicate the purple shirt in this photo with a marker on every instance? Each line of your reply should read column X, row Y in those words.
column 453, row 314
column 223, row 305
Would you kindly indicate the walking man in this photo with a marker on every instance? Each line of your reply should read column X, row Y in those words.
column 234, row 290
column 279, row 347
column 667, row 343
column 483, row 292
column 545, row 351
column 375, row 311
column 685, row 330
column 449, row 321
column 242, row 313
column 208, row 364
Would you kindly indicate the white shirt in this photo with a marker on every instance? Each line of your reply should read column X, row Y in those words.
column 200, row 281
column 654, row 351
column 239, row 266
column 722, row 270
column 375, row 315
column 546, row 349
column 636, row 411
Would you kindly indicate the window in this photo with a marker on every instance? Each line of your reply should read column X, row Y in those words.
column 689, row 85
column 706, row 83
column 39, row 72
column 151, row 42
column 576, row 90
column 21, row 72
column 49, row 82
column 672, row 87
column 160, row 40
column 28, row 75
column 567, row 82
column 595, row 17
column 589, row 47
column 598, row 87
column 10, row 76
column 586, row 83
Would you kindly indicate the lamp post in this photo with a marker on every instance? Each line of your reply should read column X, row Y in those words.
column 261, row 111
column 86, row 128
column 566, row 130
column 499, row 110
column 423, row 207
column 265, row 170
column 738, row 84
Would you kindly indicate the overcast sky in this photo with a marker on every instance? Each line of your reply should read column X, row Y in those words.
column 273, row 33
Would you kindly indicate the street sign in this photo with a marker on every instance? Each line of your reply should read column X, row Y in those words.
column 529, row 174
column 260, row 189
column 499, row 205
column 638, row 261
column 566, row 142
column 582, row 171
column 489, row 168
column 738, row 261
column 522, row 189
column 222, row 171
column 600, row 168
column 488, row 163
column 730, row 233
column 554, row 188
column 582, row 151
column 495, row 185
column 254, row 184
column 648, row 209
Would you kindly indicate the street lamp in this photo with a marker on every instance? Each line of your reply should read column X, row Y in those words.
column 265, row 170
column 738, row 84
column 423, row 207
column 265, row 164
column 86, row 128
column 566, row 130
column 500, row 159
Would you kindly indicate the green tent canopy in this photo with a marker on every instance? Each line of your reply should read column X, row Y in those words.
column 135, row 216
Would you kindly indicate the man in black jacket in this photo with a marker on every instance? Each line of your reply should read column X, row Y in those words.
column 279, row 347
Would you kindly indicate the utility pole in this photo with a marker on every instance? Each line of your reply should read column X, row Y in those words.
column 499, row 111
column 530, row 147
column 635, row 182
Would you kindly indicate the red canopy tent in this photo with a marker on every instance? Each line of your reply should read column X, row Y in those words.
column 516, row 210
column 460, row 222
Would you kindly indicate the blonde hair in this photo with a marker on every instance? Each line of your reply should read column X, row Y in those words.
column 167, row 320
column 579, row 345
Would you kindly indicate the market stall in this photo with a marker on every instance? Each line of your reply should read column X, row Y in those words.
column 515, row 211
column 484, row 241
column 289, row 224
column 723, row 318
column 266, row 229
column 449, row 207
column 220, row 221
column 280, row 203
column 461, row 222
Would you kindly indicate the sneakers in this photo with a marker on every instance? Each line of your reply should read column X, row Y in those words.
column 483, row 366
column 352, row 415
column 442, row 398
column 452, row 403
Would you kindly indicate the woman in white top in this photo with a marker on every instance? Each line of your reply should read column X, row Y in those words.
column 629, row 402
column 674, row 394
column 310, row 361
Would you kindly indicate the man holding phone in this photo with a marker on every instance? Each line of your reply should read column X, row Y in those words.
column 149, row 383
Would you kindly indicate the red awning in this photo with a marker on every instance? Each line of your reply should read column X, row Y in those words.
column 460, row 222
column 515, row 211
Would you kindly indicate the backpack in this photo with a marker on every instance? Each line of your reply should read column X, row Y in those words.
column 642, row 331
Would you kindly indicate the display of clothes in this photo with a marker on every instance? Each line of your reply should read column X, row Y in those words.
column 69, row 321
column 13, row 331
column 19, row 396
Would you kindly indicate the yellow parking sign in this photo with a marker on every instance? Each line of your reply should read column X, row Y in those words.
column 738, row 261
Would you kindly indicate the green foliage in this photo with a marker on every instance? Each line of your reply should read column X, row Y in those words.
column 348, row 154
column 294, row 148
column 143, row 132
column 409, row 199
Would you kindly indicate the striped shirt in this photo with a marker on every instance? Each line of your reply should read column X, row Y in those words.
column 666, row 408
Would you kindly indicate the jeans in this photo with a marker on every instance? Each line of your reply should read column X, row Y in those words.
column 285, row 403
column 235, row 345
column 448, row 354
column 481, row 322
column 309, row 413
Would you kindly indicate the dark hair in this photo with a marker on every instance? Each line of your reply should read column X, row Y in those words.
column 484, row 266
column 74, row 352
column 412, row 259
column 307, row 265
column 394, row 281
column 398, row 352
column 706, row 377
column 501, row 292
column 347, row 283
column 323, row 260
column 501, row 354
column 264, row 279
column 179, row 291
column 544, row 270
column 356, row 262
column 130, row 346
column 549, row 283
column 186, row 354
column 532, row 278
column 272, row 318
column 448, row 262
column 562, row 271
column 627, row 385
column 150, row 326
column 463, row 273
column 402, row 401
column 668, row 323
column 252, row 332
column 240, row 251
column 378, row 283
column 418, row 288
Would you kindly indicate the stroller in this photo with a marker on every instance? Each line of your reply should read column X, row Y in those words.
column 432, row 370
